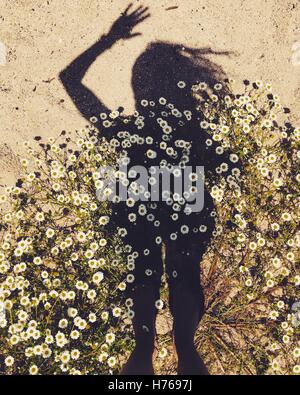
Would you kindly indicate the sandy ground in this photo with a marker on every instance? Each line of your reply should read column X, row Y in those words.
column 41, row 37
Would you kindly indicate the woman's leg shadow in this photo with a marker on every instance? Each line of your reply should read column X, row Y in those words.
column 144, row 293
column 186, row 302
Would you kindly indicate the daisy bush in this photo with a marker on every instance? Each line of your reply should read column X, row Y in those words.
column 62, row 266
column 251, row 271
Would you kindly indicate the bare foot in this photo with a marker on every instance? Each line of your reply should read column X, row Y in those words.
column 139, row 363
column 190, row 363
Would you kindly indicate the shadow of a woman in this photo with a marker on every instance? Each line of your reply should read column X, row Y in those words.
column 165, row 107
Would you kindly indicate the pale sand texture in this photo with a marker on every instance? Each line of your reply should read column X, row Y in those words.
column 42, row 37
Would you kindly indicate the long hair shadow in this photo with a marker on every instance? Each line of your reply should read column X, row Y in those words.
column 158, row 69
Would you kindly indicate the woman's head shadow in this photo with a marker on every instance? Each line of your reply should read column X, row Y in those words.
column 162, row 65
column 157, row 72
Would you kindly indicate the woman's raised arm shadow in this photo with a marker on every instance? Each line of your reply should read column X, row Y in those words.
column 85, row 100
